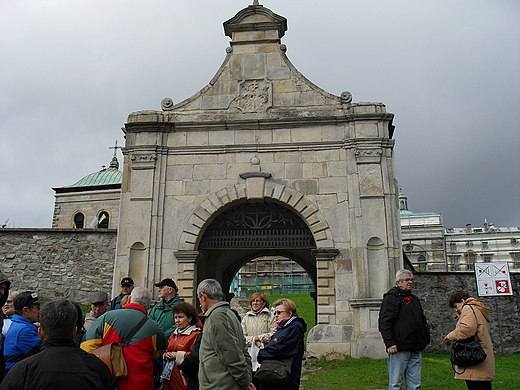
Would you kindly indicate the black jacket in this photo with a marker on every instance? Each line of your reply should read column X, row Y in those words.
column 402, row 322
column 61, row 365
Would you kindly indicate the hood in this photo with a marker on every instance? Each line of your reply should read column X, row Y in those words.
column 480, row 306
column 3, row 298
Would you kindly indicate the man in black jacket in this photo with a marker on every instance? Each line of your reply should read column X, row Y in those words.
column 405, row 332
column 60, row 365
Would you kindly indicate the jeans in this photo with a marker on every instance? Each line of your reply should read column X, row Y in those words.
column 404, row 365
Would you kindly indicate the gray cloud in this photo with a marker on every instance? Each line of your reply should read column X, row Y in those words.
column 72, row 71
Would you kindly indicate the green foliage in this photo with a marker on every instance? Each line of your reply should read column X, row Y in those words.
column 368, row 374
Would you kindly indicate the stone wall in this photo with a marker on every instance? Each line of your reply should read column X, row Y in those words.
column 434, row 288
column 58, row 262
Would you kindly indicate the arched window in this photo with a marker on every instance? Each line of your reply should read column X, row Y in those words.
column 103, row 220
column 79, row 220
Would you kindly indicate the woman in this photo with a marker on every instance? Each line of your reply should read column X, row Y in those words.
column 287, row 341
column 473, row 317
column 180, row 344
column 258, row 323
column 8, row 310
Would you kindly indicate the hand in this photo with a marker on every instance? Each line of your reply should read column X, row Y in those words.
column 251, row 387
column 392, row 350
column 170, row 355
column 446, row 338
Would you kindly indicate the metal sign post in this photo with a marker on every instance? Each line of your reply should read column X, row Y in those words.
column 493, row 280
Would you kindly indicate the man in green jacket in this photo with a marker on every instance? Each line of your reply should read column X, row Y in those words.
column 162, row 311
column 225, row 363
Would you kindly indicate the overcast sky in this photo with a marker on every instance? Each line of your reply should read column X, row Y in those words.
column 72, row 71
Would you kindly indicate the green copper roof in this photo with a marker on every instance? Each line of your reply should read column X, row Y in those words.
column 102, row 178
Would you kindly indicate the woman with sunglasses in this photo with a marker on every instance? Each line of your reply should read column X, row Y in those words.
column 286, row 342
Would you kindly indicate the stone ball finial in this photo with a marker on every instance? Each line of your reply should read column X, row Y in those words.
column 166, row 104
column 346, row 97
column 255, row 161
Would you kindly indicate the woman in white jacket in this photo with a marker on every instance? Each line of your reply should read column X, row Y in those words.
column 258, row 325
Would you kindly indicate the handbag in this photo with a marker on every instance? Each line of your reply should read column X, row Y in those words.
column 275, row 372
column 468, row 352
column 112, row 354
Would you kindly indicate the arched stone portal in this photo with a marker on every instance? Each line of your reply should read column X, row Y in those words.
column 262, row 138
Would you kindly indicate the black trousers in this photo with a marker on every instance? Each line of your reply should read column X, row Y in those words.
column 478, row 385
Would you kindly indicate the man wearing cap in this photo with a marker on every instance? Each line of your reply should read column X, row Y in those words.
column 22, row 339
column 127, row 285
column 98, row 306
column 162, row 311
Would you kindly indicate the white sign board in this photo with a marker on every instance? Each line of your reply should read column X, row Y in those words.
column 493, row 279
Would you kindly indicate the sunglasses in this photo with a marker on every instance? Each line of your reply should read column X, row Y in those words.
column 278, row 312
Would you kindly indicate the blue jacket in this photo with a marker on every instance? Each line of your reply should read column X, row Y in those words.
column 286, row 342
column 21, row 341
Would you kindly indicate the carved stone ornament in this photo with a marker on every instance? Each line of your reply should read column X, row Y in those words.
column 255, row 95
column 143, row 161
column 368, row 156
column 346, row 97
column 167, row 104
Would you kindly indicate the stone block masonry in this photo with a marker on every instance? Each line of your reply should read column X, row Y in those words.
column 68, row 263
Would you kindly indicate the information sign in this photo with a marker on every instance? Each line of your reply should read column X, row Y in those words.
column 493, row 279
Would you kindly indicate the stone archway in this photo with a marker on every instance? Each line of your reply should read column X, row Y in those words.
column 213, row 252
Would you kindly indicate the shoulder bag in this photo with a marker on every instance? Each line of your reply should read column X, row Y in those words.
column 275, row 372
column 112, row 354
column 468, row 352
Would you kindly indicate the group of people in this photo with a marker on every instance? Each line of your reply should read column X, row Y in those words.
column 173, row 347
column 169, row 346
column 405, row 332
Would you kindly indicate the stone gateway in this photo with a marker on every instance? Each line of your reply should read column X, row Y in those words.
column 263, row 162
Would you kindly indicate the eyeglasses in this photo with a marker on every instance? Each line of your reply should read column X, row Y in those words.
column 8, row 301
column 257, row 301
column 407, row 280
column 278, row 312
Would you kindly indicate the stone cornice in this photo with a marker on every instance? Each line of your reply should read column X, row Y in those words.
column 163, row 122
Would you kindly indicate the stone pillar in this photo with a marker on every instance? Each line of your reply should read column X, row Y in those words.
column 187, row 278
column 367, row 341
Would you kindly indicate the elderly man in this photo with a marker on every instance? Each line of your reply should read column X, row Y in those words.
column 146, row 345
column 22, row 340
column 98, row 307
column 162, row 311
column 405, row 332
column 225, row 363
column 127, row 285
column 61, row 365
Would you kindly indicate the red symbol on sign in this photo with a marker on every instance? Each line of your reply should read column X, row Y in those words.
column 502, row 286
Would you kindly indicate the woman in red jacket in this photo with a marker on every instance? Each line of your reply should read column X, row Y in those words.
column 180, row 345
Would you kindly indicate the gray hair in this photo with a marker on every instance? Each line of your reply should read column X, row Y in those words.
column 211, row 288
column 142, row 296
column 58, row 319
column 399, row 274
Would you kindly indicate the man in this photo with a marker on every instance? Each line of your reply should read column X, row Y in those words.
column 405, row 332
column 127, row 285
column 22, row 340
column 61, row 365
column 98, row 306
column 4, row 294
column 162, row 311
column 146, row 345
column 225, row 363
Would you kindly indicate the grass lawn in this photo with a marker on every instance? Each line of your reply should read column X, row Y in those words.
column 370, row 374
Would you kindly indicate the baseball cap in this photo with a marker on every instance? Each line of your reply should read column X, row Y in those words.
column 127, row 282
column 98, row 296
column 27, row 298
column 166, row 282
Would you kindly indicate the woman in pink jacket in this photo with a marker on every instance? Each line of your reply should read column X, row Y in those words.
column 473, row 317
